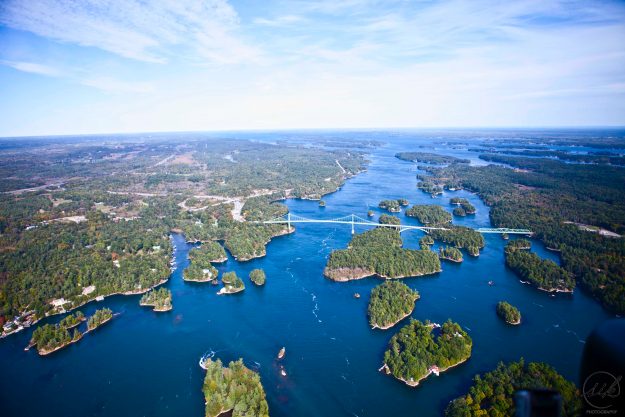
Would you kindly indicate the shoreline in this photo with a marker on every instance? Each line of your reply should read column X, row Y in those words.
column 44, row 352
column 342, row 278
column 375, row 326
column 413, row 383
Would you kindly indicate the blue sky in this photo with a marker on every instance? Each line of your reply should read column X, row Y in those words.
column 97, row 66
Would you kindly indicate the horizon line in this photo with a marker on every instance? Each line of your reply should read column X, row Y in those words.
column 319, row 129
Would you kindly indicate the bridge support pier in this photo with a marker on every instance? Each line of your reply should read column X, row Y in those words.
column 289, row 222
column 352, row 224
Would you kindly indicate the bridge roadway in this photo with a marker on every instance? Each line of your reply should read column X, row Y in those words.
column 354, row 220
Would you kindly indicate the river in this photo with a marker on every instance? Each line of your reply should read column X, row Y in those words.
column 146, row 364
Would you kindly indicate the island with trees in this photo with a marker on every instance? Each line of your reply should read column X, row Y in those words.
column 101, row 316
column 426, row 242
column 379, row 252
column 518, row 244
column 403, row 202
column 508, row 313
column 461, row 237
column 159, row 299
column 201, row 269
column 429, row 158
column 72, row 320
column 421, row 349
column 493, row 393
column 234, row 390
column 390, row 303
column 463, row 204
column 52, row 337
column 232, row 283
column 543, row 274
column 257, row 276
column 389, row 219
column 429, row 215
column 450, row 253
column 390, row 205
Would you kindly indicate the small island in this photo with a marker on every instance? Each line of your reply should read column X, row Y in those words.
column 370, row 213
column 425, row 242
column 403, row 202
column 450, row 253
column 322, row 203
column 390, row 303
column 509, row 313
column 72, row 320
column 543, row 274
column 201, row 268
column 50, row 338
column 461, row 237
column 379, row 252
column 234, row 390
column 493, row 393
column 421, row 349
column 160, row 299
column 390, row 205
column 389, row 219
column 98, row 318
column 429, row 214
column 232, row 284
column 429, row 158
column 459, row 211
column 463, row 204
column 257, row 276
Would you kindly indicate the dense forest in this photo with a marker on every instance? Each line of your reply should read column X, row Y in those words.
column 390, row 302
column 379, row 251
column 160, row 299
column 393, row 206
column 257, row 276
column 509, row 313
column 51, row 337
column 429, row 215
column 234, row 389
column 450, row 253
column 541, row 273
column 417, row 347
column 460, row 237
column 493, row 393
column 389, row 219
column 98, row 318
column 232, row 283
column 543, row 195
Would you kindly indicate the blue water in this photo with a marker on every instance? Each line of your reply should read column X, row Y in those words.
column 146, row 364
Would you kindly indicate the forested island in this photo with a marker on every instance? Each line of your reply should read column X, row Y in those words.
column 508, row 313
column 160, row 299
column 232, row 283
column 390, row 302
column 463, row 206
column 389, row 219
column 72, row 320
column 393, row 206
column 543, row 274
column 101, row 316
column 89, row 229
column 429, row 215
column 429, row 158
column 257, row 276
column 450, row 253
column 234, row 390
column 460, row 237
column 201, row 269
column 52, row 337
column 379, row 252
column 420, row 349
column 493, row 393
column 543, row 195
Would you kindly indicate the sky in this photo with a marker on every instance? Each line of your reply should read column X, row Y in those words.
column 107, row 66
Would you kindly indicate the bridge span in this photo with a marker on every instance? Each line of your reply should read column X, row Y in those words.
column 354, row 220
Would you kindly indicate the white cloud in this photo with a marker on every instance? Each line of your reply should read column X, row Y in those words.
column 33, row 68
column 147, row 31
column 112, row 85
